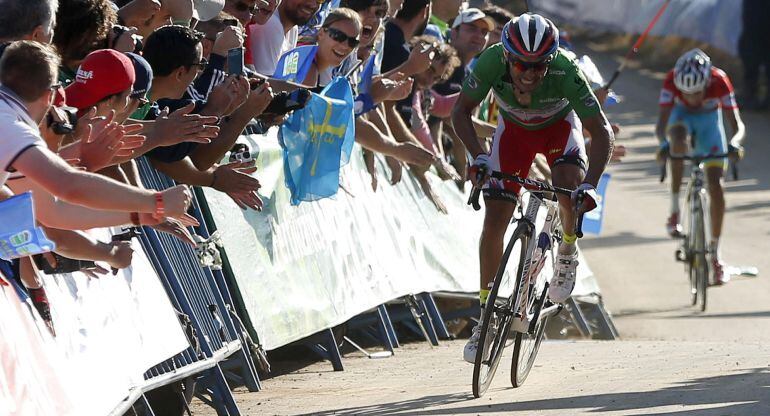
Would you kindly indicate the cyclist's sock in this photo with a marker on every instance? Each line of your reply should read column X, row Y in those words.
column 714, row 247
column 568, row 245
column 674, row 202
column 483, row 295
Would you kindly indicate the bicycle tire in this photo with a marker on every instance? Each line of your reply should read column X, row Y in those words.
column 689, row 249
column 701, row 264
column 523, row 359
column 484, row 370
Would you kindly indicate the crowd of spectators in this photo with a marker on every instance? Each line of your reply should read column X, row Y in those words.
column 89, row 86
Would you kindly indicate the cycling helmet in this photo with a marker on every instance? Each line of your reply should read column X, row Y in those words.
column 530, row 36
column 692, row 71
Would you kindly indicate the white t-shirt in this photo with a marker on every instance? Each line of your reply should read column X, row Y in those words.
column 268, row 42
column 18, row 132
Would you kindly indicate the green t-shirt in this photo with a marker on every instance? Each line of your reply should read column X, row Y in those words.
column 563, row 89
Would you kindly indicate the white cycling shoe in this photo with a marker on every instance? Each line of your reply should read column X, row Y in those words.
column 469, row 352
column 564, row 276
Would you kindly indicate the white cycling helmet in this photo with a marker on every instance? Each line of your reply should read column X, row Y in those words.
column 692, row 71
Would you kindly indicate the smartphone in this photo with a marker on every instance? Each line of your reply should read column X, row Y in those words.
column 235, row 61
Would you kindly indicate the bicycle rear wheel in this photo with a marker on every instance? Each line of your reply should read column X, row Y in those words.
column 497, row 318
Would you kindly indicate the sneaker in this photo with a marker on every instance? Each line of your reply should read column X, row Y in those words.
column 673, row 227
column 564, row 277
column 469, row 352
column 720, row 277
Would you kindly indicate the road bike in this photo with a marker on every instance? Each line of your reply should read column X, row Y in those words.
column 694, row 246
column 521, row 308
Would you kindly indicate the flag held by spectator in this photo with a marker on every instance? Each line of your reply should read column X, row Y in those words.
column 19, row 236
column 317, row 141
column 296, row 63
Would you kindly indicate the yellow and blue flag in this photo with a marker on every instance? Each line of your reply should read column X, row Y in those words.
column 317, row 141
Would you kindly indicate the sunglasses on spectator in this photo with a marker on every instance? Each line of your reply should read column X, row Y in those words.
column 524, row 66
column 243, row 7
column 340, row 36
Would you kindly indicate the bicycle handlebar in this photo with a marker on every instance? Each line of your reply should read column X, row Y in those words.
column 697, row 160
column 531, row 184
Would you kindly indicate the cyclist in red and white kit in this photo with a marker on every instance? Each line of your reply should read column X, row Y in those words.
column 694, row 97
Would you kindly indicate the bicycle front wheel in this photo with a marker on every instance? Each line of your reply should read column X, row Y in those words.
column 498, row 315
column 700, row 268
column 526, row 345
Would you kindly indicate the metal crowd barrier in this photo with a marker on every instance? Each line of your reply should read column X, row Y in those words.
column 201, row 294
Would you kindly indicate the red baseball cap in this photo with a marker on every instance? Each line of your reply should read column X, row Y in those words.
column 103, row 73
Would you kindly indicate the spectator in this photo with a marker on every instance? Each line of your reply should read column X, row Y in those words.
column 279, row 34
column 469, row 37
column 443, row 12
column 82, row 26
column 104, row 80
column 337, row 38
column 220, row 35
column 246, row 10
column 501, row 17
column 27, row 75
column 443, row 64
column 27, row 20
column 175, row 54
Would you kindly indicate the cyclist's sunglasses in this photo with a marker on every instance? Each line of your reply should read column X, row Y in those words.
column 523, row 66
column 340, row 36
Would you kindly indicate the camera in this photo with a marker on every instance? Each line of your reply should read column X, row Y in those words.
column 240, row 153
column 284, row 102
column 67, row 124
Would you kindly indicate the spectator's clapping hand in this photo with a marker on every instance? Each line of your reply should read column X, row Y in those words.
column 104, row 140
column 419, row 59
column 178, row 228
column 389, row 89
column 137, row 12
column 234, row 180
column 618, row 153
column 125, row 40
column 120, row 254
column 176, row 200
column 181, row 126
column 414, row 154
column 396, row 169
column 94, row 272
column 230, row 38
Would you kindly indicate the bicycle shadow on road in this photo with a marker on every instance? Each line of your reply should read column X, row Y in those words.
column 744, row 392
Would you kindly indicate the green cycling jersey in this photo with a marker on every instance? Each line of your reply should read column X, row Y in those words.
column 564, row 88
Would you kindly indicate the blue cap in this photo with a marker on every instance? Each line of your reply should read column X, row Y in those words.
column 143, row 72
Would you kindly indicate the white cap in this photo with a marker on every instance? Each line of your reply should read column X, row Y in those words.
column 473, row 14
column 205, row 10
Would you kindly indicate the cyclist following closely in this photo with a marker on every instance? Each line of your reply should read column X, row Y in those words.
column 695, row 94
column 545, row 101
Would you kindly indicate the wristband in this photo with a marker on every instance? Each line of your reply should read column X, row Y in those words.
column 160, row 208
column 135, row 219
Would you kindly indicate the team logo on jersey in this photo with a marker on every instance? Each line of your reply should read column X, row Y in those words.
column 472, row 83
column 557, row 72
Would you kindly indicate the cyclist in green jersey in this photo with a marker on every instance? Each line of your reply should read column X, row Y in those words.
column 544, row 101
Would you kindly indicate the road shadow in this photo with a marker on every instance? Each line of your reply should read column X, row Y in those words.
column 744, row 392
column 625, row 238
